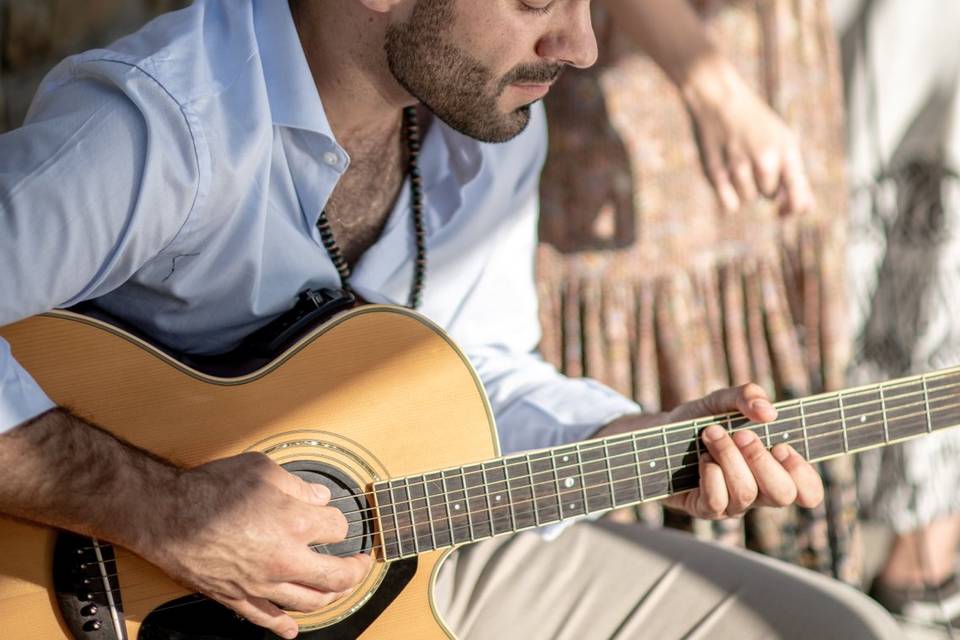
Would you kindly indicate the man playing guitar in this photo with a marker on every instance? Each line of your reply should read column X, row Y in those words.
column 195, row 177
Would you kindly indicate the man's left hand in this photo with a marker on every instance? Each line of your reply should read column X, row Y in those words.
column 736, row 472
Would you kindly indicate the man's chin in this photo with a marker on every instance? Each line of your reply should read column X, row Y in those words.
column 506, row 127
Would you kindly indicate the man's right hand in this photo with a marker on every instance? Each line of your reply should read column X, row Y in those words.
column 239, row 532
column 236, row 529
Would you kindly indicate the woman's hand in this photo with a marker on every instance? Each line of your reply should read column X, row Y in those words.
column 746, row 150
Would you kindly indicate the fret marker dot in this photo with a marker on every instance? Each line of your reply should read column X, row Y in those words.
column 572, row 506
column 653, row 464
column 498, row 498
column 786, row 436
column 863, row 419
column 566, row 458
column 456, row 507
column 568, row 483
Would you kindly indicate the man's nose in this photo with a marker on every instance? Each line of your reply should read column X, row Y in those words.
column 573, row 41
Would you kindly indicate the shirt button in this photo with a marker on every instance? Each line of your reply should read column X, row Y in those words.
column 331, row 158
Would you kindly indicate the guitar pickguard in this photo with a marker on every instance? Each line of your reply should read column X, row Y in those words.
column 198, row 618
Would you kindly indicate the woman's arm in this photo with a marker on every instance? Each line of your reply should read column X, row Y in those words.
column 745, row 147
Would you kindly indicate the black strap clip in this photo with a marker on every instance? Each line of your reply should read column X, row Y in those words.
column 314, row 306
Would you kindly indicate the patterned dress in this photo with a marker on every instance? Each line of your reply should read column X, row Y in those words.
column 646, row 286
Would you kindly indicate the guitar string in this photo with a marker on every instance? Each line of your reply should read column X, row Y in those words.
column 461, row 528
column 521, row 460
column 453, row 541
column 508, row 516
column 681, row 427
column 668, row 430
column 696, row 423
column 751, row 427
column 672, row 471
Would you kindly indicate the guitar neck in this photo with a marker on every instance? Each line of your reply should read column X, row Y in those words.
column 464, row 504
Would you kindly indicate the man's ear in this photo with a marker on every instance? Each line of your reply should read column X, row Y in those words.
column 382, row 6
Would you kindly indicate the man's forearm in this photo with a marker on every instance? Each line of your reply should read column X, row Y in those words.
column 61, row 471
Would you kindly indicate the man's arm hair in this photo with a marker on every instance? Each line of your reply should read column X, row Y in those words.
column 62, row 471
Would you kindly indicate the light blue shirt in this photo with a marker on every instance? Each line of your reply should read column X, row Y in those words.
column 176, row 178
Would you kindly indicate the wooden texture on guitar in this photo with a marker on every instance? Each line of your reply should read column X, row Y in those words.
column 386, row 400
column 384, row 390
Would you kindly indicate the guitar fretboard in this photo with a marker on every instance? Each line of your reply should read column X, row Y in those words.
column 464, row 504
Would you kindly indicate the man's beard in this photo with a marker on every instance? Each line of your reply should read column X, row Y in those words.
column 458, row 89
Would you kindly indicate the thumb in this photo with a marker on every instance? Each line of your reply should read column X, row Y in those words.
column 309, row 492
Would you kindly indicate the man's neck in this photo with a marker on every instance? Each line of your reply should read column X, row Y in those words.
column 343, row 43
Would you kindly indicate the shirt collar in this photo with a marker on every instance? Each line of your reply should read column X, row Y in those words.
column 295, row 102
column 293, row 96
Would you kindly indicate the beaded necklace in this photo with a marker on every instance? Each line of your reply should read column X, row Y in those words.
column 411, row 130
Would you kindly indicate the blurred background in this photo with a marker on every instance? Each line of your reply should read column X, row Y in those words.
column 664, row 273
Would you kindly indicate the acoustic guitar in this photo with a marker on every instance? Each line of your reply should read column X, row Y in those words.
column 382, row 407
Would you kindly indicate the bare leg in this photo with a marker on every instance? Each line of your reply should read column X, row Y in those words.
column 923, row 557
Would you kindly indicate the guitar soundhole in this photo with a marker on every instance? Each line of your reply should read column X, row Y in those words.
column 198, row 618
column 346, row 496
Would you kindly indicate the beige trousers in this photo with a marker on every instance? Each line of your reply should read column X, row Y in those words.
column 606, row 580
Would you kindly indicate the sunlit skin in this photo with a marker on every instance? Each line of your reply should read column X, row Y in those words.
column 344, row 42
column 532, row 32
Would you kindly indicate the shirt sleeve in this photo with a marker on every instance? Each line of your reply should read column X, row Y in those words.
column 101, row 176
column 534, row 405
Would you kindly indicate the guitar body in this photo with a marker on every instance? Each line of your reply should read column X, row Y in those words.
column 377, row 392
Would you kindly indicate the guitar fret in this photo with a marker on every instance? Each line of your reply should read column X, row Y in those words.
column 533, row 492
column 583, row 482
column 843, row 423
column 478, row 501
column 486, row 496
column 556, row 483
column 546, row 479
column 513, row 513
column 497, row 485
column 385, row 509
column 413, row 518
column 446, row 504
column 883, row 416
column 572, row 501
column 803, row 426
column 636, row 457
column 433, row 532
column 606, row 460
column 396, row 513
column 766, row 433
column 696, row 440
column 944, row 410
column 466, row 505
column 598, row 498
column 864, row 416
column 655, row 480
column 437, row 500
column 666, row 454
column 926, row 404
column 524, row 496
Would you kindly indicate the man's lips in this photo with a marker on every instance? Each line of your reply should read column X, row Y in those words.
column 533, row 90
